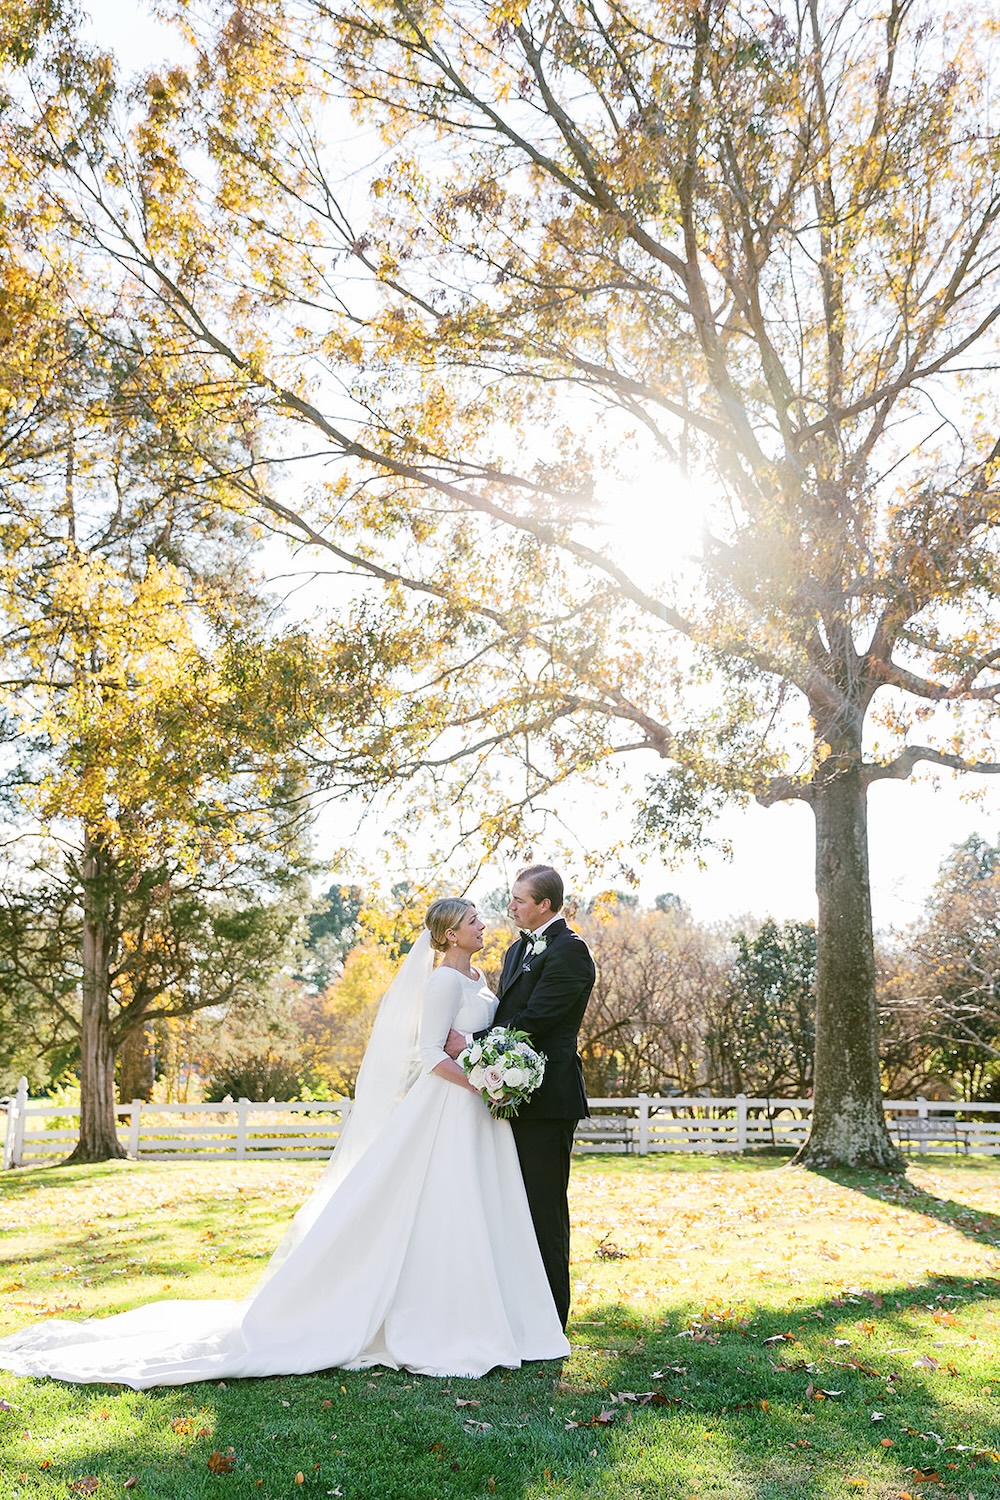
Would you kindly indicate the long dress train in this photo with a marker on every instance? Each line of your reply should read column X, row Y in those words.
column 423, row 1257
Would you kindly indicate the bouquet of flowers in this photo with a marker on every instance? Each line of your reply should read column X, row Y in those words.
column 505, row 1068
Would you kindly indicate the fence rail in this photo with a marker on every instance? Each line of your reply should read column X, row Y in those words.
column 38, row 1131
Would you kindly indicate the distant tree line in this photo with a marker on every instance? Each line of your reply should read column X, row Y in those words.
column 684, row 1008
column 680, row 1007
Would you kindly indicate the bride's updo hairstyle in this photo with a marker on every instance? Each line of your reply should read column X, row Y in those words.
column 442, row 917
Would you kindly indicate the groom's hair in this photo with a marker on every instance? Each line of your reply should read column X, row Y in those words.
column 544, row 882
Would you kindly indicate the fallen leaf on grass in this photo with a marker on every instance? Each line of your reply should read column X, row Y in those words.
column 300, row 1478
column 85, row 1486
column 5, row 1406
column 888, row 1443
column 855, row 1364
column 46, row 1463
column 644, row 1398
column 926, row 1362
column 604, row 1418
column 857, row 1484
column 780, row 1338
column 815, row 1394
column 183, row 1426
column 925, row 1476
column 466, row 1401
column 131, row 1482
column 221, row 1463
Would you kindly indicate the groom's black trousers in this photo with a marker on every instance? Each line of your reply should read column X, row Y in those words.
column 543, row 1149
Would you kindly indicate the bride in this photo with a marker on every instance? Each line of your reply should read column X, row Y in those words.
column 416, row 1249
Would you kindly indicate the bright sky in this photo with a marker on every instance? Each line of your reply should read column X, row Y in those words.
column 912, row 825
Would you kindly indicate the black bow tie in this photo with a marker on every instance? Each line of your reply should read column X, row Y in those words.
column 527, row 936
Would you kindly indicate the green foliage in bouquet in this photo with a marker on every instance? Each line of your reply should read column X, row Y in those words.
column 505, row 1068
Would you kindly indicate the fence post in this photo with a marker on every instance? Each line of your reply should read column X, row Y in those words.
column 133, row 1129
column 922, row 1129
column 20, row 1114
column 8, row 1140
column 741, row 1122
column 241, row 1127
column 643, row 1124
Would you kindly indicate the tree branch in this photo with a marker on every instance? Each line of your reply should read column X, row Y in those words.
column 903, row 765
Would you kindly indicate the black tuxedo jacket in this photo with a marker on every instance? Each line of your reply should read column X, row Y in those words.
column 546, row 996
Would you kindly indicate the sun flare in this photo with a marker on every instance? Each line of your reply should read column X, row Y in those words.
column 652, row 518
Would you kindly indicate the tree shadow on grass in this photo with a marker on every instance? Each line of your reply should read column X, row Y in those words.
column 144, row 1253
column 977, row 1224
column 775, row 1405
column 18, row 1182
column 789, row 1404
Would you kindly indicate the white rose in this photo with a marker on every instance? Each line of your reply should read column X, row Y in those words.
column 493, row 1079
column 477, row 1077
column 475, row 1052
column 515, row 1078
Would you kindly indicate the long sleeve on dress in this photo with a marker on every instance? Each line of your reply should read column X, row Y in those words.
column 442, row 999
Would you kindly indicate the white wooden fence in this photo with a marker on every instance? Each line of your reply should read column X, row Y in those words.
column 38, row 1131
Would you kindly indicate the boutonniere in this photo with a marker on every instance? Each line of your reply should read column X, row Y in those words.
column 535, row 946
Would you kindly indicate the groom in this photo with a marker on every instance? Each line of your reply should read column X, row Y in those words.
column 547, row 978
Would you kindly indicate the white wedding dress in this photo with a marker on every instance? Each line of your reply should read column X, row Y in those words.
column 420, row 1255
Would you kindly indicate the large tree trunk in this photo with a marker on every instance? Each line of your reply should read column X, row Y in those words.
column 98, row 1138
column 848, row 1126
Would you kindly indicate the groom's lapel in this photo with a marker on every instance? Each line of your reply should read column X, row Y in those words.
column 511, row 965
column 513, row 970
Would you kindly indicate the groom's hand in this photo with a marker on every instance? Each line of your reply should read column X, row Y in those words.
column 454, row 1044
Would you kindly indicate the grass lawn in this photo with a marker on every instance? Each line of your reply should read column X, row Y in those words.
column 740, row 1329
